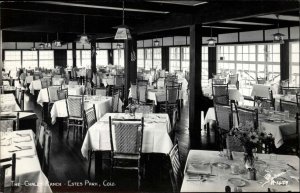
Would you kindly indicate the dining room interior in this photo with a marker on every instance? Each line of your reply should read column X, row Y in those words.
column 150, row 96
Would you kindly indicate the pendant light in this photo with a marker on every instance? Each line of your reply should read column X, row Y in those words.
column 278, row 37
column 97, row 46
column 84, row 38
column 156, row 43
column 57, row 42
column 42, row 44
column 211, row 42
column 119, row 46
column 48, row 44
column 123, row 32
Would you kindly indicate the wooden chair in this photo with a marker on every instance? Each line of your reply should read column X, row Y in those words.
column 43, row 146
column 261, row 80
column 10, row 121
column 5, row 164
column 62, row 94
column 142, row 94
column 134, row 93
column 290, row 90
column 142, row 82
column 224, row 121
column 20, row 98
column 219, row 81
column 247, row 118
column 45, row 83
column 52, row 96
column 145, row 108
column 220, row 93
column 75, row 107
column 234, row 80
column 90, row 119
column 126, row 139
column 290, row 106
column 175, row 170
column 100, row 91
column 115, row 101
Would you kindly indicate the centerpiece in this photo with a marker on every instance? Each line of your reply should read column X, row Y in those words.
column 251, row 141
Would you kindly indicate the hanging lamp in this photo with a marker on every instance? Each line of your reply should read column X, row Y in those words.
column 278, row 37
column 156, row 42
column 84, row 38
column 57, row 42
column 48, row 44
column 42, row 44
column 123, row 32
column 211, row 42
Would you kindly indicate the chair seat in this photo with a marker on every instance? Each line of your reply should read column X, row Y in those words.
column 127, row 156
column 76, row 118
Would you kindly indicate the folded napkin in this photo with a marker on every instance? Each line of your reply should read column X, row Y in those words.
column 22, row 139
column 199, row 168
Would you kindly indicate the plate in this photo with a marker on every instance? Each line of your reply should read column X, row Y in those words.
column 221, row 165
column 237, row 182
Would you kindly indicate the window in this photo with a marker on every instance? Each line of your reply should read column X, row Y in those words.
column 12, row 60
column 250, row 61
column 148, row 58
column 185, row 59
column 157, row 58
column 294, row 63
column 140, row 58
column 174, row 54
column 46, row 59
column 30, row 59
column 119, row 57
column 204, row 66
column 69, row 59
column 102, row 57
column 86, row 58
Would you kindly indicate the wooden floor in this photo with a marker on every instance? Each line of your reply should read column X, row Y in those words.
column 68, row 165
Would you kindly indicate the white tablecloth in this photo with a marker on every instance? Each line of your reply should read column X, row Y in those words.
column 269, row 127
column 108, row 81
column 262, row 90
column 35, row 85
column 8, row 103
column 233, row 92
column 155, row 138
column 158, row 95
column 102, row 106
column 72, row 90
column 218, row 183
column 27, row 163
column 28, row 79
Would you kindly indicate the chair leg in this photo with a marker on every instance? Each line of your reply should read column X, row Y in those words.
column 90, row 163
column 68, row 127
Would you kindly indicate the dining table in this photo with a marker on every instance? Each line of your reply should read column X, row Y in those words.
column 275, row 123
column 29, row 175
column 43, row 96
column 103, row 105
column 157, row 94
column 156, row 138
column 212, row 171
column 8, row 103
column 263, row 90
column 233, row 93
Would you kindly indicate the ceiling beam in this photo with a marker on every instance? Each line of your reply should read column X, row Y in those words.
column 218, row 11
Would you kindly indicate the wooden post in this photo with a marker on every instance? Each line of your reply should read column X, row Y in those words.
column 93, row 61
column 74, row 54
column 212, row 61
column 195, row 103
column 284, row 60
column 130, row 56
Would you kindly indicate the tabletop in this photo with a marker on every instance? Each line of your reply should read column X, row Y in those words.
column 201, row 162
column 156, row 137
column 28, row 168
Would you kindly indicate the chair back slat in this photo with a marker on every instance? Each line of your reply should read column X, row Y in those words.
column 62, row 94
column 75, row 106
column 290, row 106
column 223, row 116
column 115, row 102
column 247, row 118
column 126, row 136
column 172, row 94
column 142, row 93
column 176, row 172
column 52, row 93
column 146, row 109
column 90, row 116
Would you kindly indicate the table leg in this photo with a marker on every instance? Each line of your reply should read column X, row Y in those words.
column 98, row 166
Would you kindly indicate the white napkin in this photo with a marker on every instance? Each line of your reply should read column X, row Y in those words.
column 199, row 168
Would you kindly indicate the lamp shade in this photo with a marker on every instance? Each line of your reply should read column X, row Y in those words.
column 84, row 39
column 278, row 38
column 156, row 43
column 211, row 42
column 57, row 43
column 47, row 45
column 123, row 33
column 41, row 46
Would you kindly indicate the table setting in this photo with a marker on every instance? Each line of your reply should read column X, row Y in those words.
column 156, row 137
column 8, row 103
column 28, row 169
column 210, row 171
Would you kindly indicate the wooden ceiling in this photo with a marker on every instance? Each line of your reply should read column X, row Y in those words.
column 32, row 20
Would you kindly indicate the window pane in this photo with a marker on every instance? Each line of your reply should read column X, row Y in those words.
column 102, row 57
column 46, row 59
